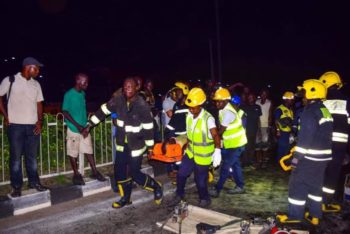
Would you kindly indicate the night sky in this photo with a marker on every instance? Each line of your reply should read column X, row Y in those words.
column 262, row 42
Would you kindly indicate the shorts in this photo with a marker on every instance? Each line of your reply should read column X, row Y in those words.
column 77, row 144
column 262, row 140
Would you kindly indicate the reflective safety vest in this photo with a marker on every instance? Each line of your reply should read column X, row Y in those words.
column 200, row 146
column 286, row 113
column 240, row 113
column 234, row 136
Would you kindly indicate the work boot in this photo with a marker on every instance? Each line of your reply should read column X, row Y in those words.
column 236, row 190
column 156, row 188
column 285, row 219
column 328, row 208
column 204, row 203
column 124, row 188
column 39, row 187
column 213, row 192
column 313, row 220
column 78, row 179
column 98, row 176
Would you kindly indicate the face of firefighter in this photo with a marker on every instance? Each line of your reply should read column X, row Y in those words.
column 82, row 82
column 288, row 102
column 30, row 71
column 129, row 88
column 220, row 104
column 195, row 110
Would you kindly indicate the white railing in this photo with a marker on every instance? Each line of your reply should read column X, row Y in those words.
column 52, row 152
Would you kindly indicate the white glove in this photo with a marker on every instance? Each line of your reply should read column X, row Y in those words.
column 216, row 157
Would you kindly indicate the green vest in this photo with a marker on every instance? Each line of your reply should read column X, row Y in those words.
column 286, row 114
column 234, row 136
column 199, row 147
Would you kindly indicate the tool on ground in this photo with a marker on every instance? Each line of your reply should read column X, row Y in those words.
column 180, row 213
column 206, row 228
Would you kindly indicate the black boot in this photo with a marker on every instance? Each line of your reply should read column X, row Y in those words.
column 156, row 188
column 125, row 188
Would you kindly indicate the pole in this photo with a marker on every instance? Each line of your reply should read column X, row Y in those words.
column 218, row 39
column 211, row 54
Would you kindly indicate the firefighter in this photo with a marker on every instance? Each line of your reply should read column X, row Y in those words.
column 310, row 158
column 203, row 148
column 135, row 136
column 337, row 105
column 234, row 138
column 284, row 119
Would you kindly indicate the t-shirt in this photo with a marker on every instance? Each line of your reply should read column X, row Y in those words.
column 74, row 103
column 25, row 94
column 253, row 117
column 228, row 117
column 265, row 110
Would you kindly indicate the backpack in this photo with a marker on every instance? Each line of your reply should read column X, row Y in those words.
column 11, row 79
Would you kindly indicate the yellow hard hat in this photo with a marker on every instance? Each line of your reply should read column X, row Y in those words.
column 314, row 89
column 331, row 78
column 288, row 95
column 222, row 94
column 195, row 97
column 182, row 86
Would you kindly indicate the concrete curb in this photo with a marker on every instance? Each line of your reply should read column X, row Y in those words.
column 32, row 200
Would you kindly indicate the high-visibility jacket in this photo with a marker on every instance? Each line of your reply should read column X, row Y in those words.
column 287, row 114
column 315, row 135
column 337, row 105
column 200, row 146
column 134, row 123
column 234, row 135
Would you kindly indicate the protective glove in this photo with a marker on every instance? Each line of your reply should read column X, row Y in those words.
column 294, row 163
column 216, row 157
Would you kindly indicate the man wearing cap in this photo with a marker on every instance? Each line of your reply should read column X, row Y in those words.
column 24, row 116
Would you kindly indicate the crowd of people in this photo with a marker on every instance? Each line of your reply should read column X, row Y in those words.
column 229, row 127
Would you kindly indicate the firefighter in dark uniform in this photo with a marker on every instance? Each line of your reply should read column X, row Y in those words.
column 311, row 156
column 135, row 136
column 337, row 105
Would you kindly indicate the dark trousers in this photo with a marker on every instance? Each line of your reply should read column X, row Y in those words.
column 249, row 153
column 283, row 146
column 305, row 188
column 333, row 170
column 126, row 166
column 231, row 159
column 23, row 142
column 200, row 176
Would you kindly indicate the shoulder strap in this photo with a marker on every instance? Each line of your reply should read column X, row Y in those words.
column 11, row 79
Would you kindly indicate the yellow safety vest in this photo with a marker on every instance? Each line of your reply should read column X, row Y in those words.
column 199, row 147
column 234, row 136
column 286, row 113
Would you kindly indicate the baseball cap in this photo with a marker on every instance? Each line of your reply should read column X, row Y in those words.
column 31, row 61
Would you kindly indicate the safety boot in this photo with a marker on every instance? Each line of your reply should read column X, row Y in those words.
column 313, row 220
column 328, row 208
column 156, row 188
column 285, row 219
column 124, row 188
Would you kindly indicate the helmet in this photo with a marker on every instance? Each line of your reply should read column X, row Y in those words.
column 331, row 78
column 222, row 94
column 182, row 86
column 288, row 95
column 236, row 100
column 195, row 97
column 314, row 89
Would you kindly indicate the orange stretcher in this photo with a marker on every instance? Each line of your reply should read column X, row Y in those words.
column 173, row 153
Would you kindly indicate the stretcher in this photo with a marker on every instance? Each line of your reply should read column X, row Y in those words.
column 173, row 153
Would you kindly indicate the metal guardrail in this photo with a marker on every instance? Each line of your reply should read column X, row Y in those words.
column 52, row 152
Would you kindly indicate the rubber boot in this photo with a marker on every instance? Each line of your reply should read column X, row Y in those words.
column 125, row 188
column 156, row 188
column 312, row 220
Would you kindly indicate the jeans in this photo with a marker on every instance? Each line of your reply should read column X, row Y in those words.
column 231, row 159
column 23, row 142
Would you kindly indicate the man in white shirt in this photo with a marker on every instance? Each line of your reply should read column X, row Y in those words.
column 24, row 116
